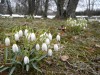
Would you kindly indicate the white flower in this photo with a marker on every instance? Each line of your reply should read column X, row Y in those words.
column 15, row 48
column 37, row 46
column 7, row 41
column 20, row 33
column 44, row 47
column 47, row 41
column 49, row 52
column 17, row 36
column 58, row 37
column 26, row 60
column 50, row 36
column 55, row 47
column 33, row 37
column 25, row 32
column 29, row 36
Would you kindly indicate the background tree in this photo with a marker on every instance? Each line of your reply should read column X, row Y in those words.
column 31, row 5
column 71, row 8
column 9, row 7
column 46, row 8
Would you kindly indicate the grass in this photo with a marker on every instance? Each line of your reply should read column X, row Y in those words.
column 82, row 47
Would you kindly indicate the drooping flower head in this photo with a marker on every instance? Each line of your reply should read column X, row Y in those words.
column 58, row 37
column 44, row 47
column 17, row 36
column 26, row 60
column 49, row 52
column 20, row 33
column 7, row 41
column 47, row 41
column 55, row 47
column 32, row 37
column 37, row 47
column 15, row 48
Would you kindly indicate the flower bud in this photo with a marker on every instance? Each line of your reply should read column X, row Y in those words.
column 47, row 41
column 17, row 36
column 50, row 36
column 37, row 47
column 49, row 52
column 25, row 32
column 44, row 47
column 7, row 41
column 20, row 33
column 58, row 37
column 33, row 37
column 29, row 36
column 55, row 47
column 15, row 48
column 26, row 60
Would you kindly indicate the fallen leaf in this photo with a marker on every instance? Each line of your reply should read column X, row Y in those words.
column 64, row 57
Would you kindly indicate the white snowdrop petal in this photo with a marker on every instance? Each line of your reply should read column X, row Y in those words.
column 37, row 47
column 15, row 48
column 33, row 37
column 49, row 52
column 47, row 41
column 55, row 47
column 25, row 32
column 50, row 36
column 17, row 36
column 7, row 41
column 58, row 37
column 26, row 60
column 20, row 33
column 44, row 47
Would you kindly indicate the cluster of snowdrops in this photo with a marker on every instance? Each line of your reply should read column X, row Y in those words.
column 29, row 47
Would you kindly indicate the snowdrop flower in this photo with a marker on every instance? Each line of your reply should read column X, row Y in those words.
column 20, row 33
column 37, row 47
column 33, row 37
column 26, row 60
column 29, row 36
column 17, row 36
column 47, row 41
column 15, row 48
column 25, row 32
column 49, row 52
column 44, row 47
column 50, row 36
column 58, row 37
column 55, row 47
column 7, row 41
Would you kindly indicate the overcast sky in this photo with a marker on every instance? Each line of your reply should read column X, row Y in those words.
column 82, row 5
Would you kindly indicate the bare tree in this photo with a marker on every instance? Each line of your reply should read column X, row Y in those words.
column 71, row 7
column 9, row 7
column 45, row 8
column 31, row 4
column 60, row 5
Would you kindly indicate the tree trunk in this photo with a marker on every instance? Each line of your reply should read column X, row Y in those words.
column 9, row 7
column 2, row 1
column 31, row 4
column 70, row 10
column 60, row 10
column 46, row 8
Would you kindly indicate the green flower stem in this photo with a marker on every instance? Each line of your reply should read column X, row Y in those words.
column 5, row 55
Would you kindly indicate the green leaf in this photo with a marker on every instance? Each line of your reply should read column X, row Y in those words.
column 35, row 67
column 1, row 66
column 14, row 61
column 35, row 58
column 3, row 69
column 42, row 57
column 27, row 67
column 12, row 70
